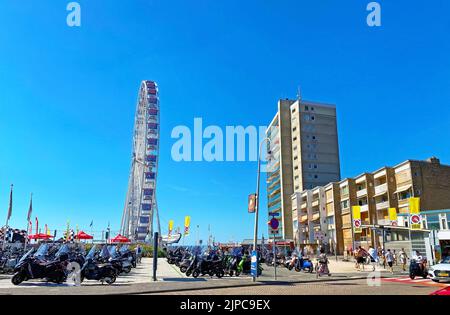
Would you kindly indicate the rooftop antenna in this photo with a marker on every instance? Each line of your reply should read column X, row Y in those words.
column 299, row 94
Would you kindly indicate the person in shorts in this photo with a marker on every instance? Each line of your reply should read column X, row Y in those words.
column 390, row 260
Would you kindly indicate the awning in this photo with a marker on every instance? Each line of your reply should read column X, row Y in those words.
column 403, row 188
column 381, row 193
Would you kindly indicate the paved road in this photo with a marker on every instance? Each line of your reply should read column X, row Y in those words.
column 345, row 280
column 344, row 287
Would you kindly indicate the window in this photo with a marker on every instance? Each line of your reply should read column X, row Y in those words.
column 344, row 204
column 295, row 139
column 306, row 108
column 296, row 168
column 314, row 137
column 293, row 110
column 316, row 176
column 433, row 222
column 295, row 157
column 296, row 177
column 313, row 118
column 306, row 117
column 297, row 187
column 294, row 129
column 315, row 166
column 312, row 108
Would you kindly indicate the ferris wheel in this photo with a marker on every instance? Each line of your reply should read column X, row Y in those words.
column 140, row 204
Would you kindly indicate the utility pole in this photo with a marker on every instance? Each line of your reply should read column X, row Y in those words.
column 255, row 235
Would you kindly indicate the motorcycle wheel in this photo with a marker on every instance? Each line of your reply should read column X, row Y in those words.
column 127, row 270
column 220, row 274
column 110, row 280
column 188, row 273
column 231, row 273
column 297, row 269
column 196, row 273
column 412, row 276
column 183, row 269
column 290, row 267
column 17, row 279
column 238, row 273
column 425, row 276
column 211, row 273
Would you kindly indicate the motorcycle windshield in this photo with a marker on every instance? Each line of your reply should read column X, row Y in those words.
column 63, row 250
column 105, row 252
column 123, row 249
column 42, row 251
column 28, row 254
column 113, row 251
column 91, row 253
column 236, row 252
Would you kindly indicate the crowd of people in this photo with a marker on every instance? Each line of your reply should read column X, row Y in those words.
column 385, row 258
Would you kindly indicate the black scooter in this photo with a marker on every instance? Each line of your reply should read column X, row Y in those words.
column 33, row 266
column 93, row 271
column 415, row 270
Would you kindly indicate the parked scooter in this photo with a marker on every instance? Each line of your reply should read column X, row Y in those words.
column 34, row 266
column 103, row 272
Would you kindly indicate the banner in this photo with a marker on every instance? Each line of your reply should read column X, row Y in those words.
column 187, row 223
column 393, row 216
column 252, row 203
column 170, row 227
column 414, row 213
column 357, row 219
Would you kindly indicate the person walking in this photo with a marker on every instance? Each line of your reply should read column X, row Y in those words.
column 389, row 258
column 361, row 256
column 373, row 256
column 403, row 259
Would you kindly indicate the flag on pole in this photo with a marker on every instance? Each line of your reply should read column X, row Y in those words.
column 10, row 204
column 170, row 227
column 30, row 209
column 30, row 227
column 357, row 220
column 92, row 224
column 187, row 223
column 37, row 225
column 45, row 229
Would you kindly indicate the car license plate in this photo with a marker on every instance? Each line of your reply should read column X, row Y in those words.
column 443, row 274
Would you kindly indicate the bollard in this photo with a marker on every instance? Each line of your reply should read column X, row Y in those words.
column 155, row 254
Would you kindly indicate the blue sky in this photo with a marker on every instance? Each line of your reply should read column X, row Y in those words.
column 67, row 96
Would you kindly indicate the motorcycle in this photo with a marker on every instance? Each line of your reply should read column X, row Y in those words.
column 417, row 269
column 304, row 264
column 122, row 265
column 34, row 266
column 93, row 271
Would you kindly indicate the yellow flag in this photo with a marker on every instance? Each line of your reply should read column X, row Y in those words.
column 187, row 223
column 393, row 216
column 414, row 213
column 170, row 226
column 357, row 219
column 414, row 205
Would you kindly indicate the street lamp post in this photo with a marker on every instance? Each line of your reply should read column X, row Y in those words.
column 255, row 236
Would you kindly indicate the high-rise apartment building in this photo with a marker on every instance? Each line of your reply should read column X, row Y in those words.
column 305, row 154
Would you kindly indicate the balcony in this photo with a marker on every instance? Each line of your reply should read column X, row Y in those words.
column 361, row 192
column 275, row 207
column 303, row 218
column 381, row 189
column 382, row 205
column 315, row 216
column 304, row 205
column 315, row 203
column 364, row 208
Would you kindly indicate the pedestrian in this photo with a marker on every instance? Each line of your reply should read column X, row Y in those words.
column 395, row 257
column 389, row 258
column 361, row 255
column 373, row 256
column 403, row 258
